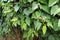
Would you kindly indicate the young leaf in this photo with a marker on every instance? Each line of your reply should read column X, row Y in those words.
column 23, row 26
column 44, row 29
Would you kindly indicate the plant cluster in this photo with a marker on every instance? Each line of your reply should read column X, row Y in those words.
column 34, row 18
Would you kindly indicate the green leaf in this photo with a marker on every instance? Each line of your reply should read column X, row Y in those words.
column 55, row 10
column 55, row 24
column 34, row 6
column 7, row 11
column 27, row 11
column 49, row 23
column 36, row 33
column 59, row 23
column 24, row 26
column 51, row 37
column 16, row 8
column 30, row 0
column 37, row 13
column 37, row 24
column 52, row 2
column 28, row 21
column 44, row 8
column 43, row 1
column 25, row 1
column 30, row 32
column 44, row 29
column 33, row 15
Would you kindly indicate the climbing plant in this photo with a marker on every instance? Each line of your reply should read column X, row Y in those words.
column 35, row 19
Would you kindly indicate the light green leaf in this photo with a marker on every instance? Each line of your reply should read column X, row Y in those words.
column 30, row 0
column 30, row 32
column 37, row 24
column 28, row 21
column 27, row 11
column 37, row 13
column 52, row 2
column 24, row 26
column 33, row 15
column 34, row 6
column 16, row 8
column 55, row 10
column 44, row 29
column 59, row 23
column 49, row 23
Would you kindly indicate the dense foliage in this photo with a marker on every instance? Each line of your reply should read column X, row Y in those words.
column 33, row 18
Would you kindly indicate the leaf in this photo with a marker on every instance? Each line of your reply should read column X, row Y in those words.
column 59, row 23
column 16, row 8
column 52, row 2
column 24, row 26
column 44, row 29
column 51, row 37
column 7, row 11
column 55, row 24
column 28, row 21
column 33, row 15
column 55, row 10
column 27, row 11
column 37, row 13
column 43, row 1
column 49, row 23
column 25, row 1
column 44, row 8
column 36, row 33
column 14, row 19
column 30, row 0
column 37, row 24
column 30, row 32
column 34, row 6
